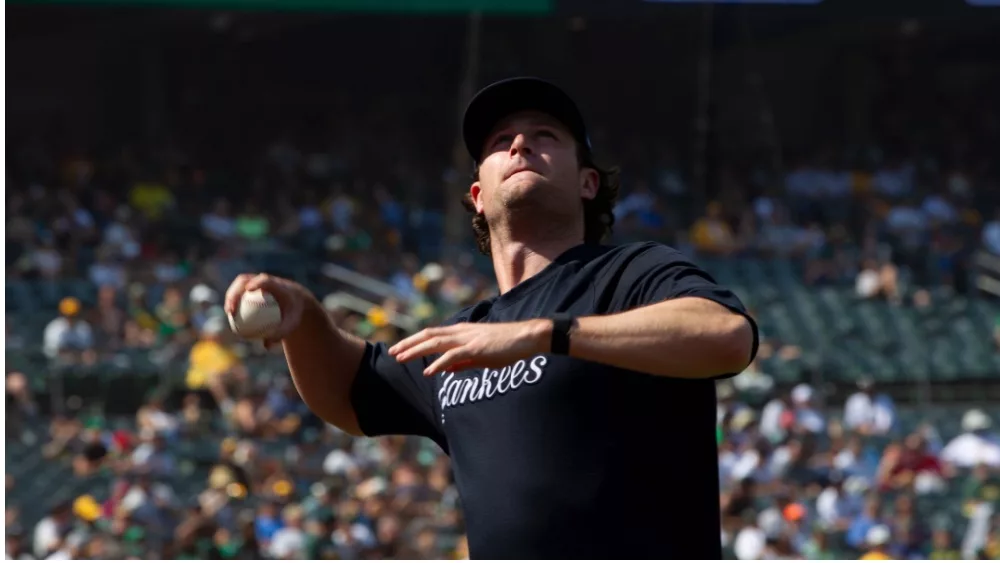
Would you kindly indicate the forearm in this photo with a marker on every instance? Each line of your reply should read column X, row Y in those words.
column 323, row 361
column 687, row 337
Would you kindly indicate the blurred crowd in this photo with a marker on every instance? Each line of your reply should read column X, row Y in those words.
column 801, row 481
column 222, row 460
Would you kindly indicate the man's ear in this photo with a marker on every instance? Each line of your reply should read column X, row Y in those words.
column 475, row 191
column 590, row 181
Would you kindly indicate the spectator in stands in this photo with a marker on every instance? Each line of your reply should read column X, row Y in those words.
column 753, row 380
column 121, row 236
column 152, row 417
column 777, row 418
column 15, row 546
column 877, row 541
column 711, row 234
column 90, row 451
column 942, row 547
column 749, row 543
column 878, row 281
column 68, row 335
column 910, row 466
column 152, row 198
column 868, row 412
column 218, row 224
column 991, row 234
column 836, row 507
column 49, row 531
column 214, row 366
column 142, row 327
column 41, row 260
column 869, row 519
column 204, row 305
column 289, row 542
column 251, row 224
column 20, row 404
column 807, row 417
column 817, row 548
column 976, row 445
column 107, row 270
column 152, row 457
column 109, row 319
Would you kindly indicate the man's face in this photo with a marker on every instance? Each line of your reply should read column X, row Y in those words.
column 530, row 160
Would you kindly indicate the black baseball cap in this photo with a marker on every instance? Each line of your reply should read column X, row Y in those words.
column 500, row 99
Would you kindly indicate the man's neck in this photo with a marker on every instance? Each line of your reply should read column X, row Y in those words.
column 515, row 261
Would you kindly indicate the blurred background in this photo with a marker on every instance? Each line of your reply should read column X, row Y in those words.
column 835, row 162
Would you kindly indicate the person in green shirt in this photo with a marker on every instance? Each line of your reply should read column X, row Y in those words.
column 252, row 224
column 319, row 535
column 817, row 546
column 942, row 547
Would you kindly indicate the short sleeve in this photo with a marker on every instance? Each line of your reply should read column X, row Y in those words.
column 393, row 398
column 656, row 272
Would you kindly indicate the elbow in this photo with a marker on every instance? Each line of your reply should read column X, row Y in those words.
column 735, row 348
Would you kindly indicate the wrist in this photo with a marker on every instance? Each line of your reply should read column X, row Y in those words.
column 541, row 335
column 563, row 325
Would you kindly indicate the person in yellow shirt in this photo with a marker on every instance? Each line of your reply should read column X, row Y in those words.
column 711, row 234
column 877, row 540
column 153, row 199
column 213, row 366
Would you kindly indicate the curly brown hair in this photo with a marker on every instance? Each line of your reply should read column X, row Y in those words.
column 598, row 213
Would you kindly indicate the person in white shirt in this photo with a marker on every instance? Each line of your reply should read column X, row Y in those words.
column 991, row 235
column 49, row 530
column 749, row 543
column 770, row 418
column 290, row 541
column 835, row 506
column 976, row 445
column 806, row 417
column 67, row 332
column 869, row 413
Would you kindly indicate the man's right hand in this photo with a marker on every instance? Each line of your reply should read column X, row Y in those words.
column 322, row 359
column 291, row 297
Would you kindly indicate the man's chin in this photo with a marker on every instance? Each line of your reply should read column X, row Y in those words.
column 522, row 193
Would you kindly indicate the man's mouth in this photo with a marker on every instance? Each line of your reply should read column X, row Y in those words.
column 518, row 170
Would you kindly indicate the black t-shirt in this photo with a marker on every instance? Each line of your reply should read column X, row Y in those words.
column 556, row 457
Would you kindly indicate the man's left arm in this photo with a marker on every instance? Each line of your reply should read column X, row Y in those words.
column 689, row 337
column 664, row 316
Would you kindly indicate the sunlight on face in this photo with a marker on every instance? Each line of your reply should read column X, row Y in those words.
column 530, row 158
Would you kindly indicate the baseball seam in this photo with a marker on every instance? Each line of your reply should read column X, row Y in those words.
column 261, row 304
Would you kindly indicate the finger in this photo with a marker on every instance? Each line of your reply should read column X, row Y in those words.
column 275, row 287
column 411, row 341
column 454, row 356
column 435, row 345
column 264, row 282
column 235, row 292
column 425, row 334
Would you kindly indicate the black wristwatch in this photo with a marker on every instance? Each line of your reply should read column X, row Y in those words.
column 562, row 325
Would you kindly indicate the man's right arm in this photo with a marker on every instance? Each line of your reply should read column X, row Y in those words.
column 323, row 361
column 352, row 384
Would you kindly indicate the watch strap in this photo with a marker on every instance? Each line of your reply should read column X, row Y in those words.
column 562, row 324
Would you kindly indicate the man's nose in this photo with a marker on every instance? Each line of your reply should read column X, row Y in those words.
column 520, row 145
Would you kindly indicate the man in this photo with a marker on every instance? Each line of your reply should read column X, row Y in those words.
column 868, row 412
column 975, row 445
column 578, row 406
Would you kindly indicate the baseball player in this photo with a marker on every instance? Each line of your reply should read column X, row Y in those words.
column 578, row 405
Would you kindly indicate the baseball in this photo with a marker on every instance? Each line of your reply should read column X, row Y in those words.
column 256, row 316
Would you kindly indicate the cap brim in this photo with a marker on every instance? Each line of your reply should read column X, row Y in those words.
column 512, row 95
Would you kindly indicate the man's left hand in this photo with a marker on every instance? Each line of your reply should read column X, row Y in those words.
column 476, row 345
